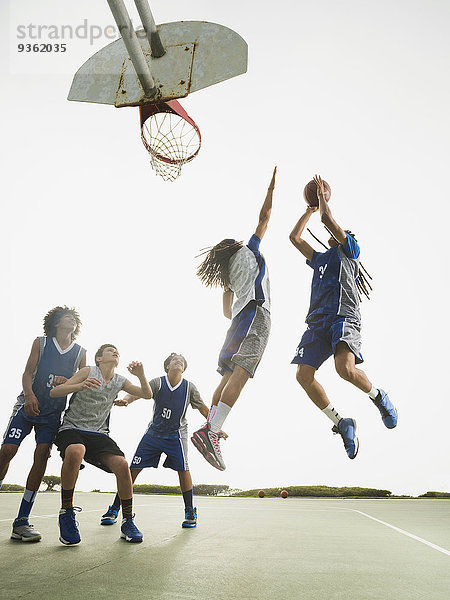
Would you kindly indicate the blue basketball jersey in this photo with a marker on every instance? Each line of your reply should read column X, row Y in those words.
column 170, row 408
column 53, row 361
column 333, row 288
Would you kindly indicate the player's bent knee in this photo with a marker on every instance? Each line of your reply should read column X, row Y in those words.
column 7, row 452
column 42, row 453
column 305, row 377
column 119, row 466
column 74, row 453
column 347, row 372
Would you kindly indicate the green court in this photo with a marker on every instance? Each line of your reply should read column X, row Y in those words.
column 242, row 548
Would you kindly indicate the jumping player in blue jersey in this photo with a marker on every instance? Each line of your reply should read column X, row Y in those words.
column 242, row 272
column 334, row 322
column 166, row 433
column 54, row 358
column 84, row 435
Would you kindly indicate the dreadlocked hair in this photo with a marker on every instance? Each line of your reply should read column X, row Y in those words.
column 53, row 317
column 362, row 283
column 214, row 269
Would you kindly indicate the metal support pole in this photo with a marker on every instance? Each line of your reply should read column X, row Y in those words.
column 150, row 28
column 133, row 46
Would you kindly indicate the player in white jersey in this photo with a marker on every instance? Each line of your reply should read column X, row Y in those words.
column 84, row 435
column 242, row 273
column 53, row 358
column 167, row 433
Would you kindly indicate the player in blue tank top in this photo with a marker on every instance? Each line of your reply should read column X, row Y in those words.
column 334, row 322
column 167, row 433
column 53, row 359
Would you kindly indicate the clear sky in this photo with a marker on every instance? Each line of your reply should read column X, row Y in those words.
column 357, row 91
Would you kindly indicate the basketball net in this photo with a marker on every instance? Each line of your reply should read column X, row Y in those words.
column 170, row 136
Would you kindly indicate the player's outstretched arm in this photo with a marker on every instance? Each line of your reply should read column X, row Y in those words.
column 126, row 400
column 142, row 391
column 325, row 213
column 31, row 405
column 296, row 234
column 79, row 381
column 266, row 209
column 227, row 303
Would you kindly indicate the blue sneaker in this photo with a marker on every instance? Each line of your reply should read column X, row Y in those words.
column 110, row 516
column 190, row 517
column 387, row 409
column 130, row 532
column 346, row 429
column 68, row 526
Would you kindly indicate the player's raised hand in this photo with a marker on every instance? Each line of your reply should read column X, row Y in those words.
column 320, row 187
column 136, row 368
column 272, row 181
column 222, row 434
column 91, row 383
column 120, row 402
column 31, row 406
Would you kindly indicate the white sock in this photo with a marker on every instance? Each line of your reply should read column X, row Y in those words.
column 373, row 392
column 332, row 414
column 212, row 412
column 219, row 416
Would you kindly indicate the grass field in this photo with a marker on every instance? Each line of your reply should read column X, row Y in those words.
column 243, row 548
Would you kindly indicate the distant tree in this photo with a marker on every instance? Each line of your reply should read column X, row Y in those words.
column 319, row 491
column 435, row 495
column 151, row 488
column 204, row 489
column 12, row 487
column 50, row 481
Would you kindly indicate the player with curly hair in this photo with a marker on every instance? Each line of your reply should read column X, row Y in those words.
column 334, row 321
column 54, row 358
column 242, row 273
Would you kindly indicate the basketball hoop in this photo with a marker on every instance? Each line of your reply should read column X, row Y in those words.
column 170, row 136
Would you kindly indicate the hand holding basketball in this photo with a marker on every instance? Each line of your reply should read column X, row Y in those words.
column 315, row 187
column 320, row 187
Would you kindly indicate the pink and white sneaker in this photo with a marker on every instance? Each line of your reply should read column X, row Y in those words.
column 207, row 443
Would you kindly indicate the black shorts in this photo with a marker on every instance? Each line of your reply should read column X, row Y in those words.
column 96, row 444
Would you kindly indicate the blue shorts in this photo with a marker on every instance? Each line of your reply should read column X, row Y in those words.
column 150, row 448
column 324, row 332
column 20, row 426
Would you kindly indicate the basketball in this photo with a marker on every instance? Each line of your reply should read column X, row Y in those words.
column 310, row 193
column 284, row 494
column 261, row 493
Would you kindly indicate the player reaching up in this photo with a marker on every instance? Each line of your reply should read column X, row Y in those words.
column 53, row 358
column 242, row 273
column 334, row 322
column 84, row 435
column 167, row 432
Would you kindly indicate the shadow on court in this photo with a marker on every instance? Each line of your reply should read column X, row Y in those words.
column 243, row 548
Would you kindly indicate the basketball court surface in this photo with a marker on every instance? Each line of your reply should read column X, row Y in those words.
column 242, row 548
